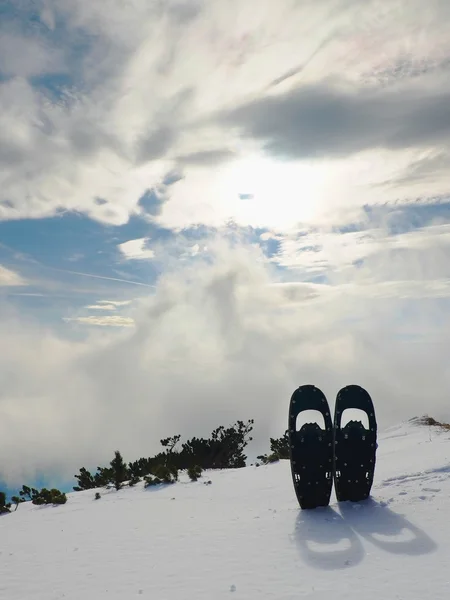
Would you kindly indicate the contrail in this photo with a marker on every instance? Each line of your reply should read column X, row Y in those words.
column 101, row 277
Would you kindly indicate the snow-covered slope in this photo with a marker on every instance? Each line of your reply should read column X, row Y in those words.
column 243, row 536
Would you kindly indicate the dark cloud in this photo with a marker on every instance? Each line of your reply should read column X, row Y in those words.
column 172, row 177
column 328, row 119
column 11, row 152
column 182, row 13
column 429, row 168
column 161, row 138
column 407, row 67
column 293, row 71
column 87, row 138
column 157, row 143
column 206, row 157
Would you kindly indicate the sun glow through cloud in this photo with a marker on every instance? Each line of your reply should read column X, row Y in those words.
column 276, row 192
column 255, row 190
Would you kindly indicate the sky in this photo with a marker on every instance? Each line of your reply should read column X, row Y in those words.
column 203, row 206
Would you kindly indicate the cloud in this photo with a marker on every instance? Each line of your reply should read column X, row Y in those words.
column 10, row 278
column 22, row 56
column 110, row 321
column 207, row 158
column 217, row 341
column 116, row 320
column 428, row 168
column 107, row 305
column 310, row 281
column 301, row 291
column 329, row 119
column 115, row 303
column 335, row 253
column 100, row 307
column 101, row 104
column 156, row 144
column 136, row 249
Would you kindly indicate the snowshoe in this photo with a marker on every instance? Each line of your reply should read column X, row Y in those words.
column 354, row 446
column 311, row 449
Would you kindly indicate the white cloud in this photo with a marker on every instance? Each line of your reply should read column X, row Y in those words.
column 108, row 305
column 23, row 56
column 135, row 105
column 136, row 249
column 115, row 302
column 216, row 342
column 299, row 291
column 219, row 340
column 110, row 321
column 101, row 307
column 10, row 278
column 323, row 251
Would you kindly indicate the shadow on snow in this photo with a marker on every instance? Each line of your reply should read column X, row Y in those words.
column 329, row 540
column 325, row 540
column 386, row 529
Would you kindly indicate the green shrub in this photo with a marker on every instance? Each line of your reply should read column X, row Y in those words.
column 194, row 472
column 4, row 506
column 426, row 420
column 119, row 470
column 85, row 480
column 224, row 449
column 165, row 473
column 279, row 450
column 150, row 481
column 52, row 496
column 27, row 492
column 266, row 459
column 134, row 480
column 17, row 500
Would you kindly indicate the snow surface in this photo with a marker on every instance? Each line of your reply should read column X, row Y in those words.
column 243, row 536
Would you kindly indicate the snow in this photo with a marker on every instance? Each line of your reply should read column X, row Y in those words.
column 243, row 537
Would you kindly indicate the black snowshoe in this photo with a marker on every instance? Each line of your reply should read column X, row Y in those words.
column 311, row 449
column 354, row 446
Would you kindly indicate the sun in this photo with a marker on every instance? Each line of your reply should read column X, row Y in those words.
column 279, row 193
column 255, row 191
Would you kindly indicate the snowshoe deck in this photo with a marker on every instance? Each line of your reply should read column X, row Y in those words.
column 354, row 446
column 311, row 449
